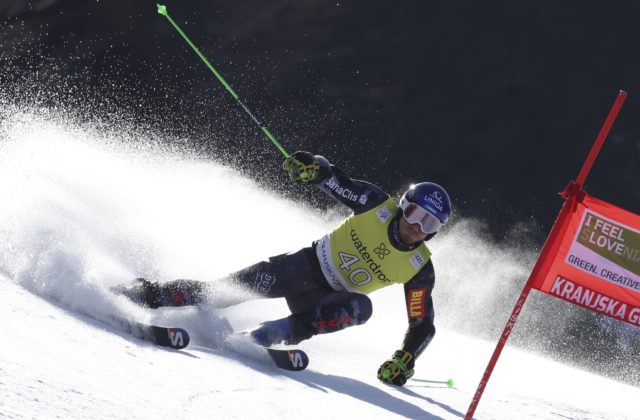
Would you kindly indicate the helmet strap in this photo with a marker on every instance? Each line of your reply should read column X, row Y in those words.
column 429, row 236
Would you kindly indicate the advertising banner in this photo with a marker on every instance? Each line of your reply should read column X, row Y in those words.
column 597, row 265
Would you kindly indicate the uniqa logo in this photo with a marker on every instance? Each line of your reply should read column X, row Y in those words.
column 435, row 199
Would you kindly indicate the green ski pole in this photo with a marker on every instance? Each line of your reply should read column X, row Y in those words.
column 448, row 382
column 163, row 11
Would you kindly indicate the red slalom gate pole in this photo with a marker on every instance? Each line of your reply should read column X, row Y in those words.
column 572, row 193
column 498, row 350
column 613, row 113
column 550, row 248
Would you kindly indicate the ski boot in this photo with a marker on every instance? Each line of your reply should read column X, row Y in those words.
column 155, row 295
column 273, row 332
column 142, row 292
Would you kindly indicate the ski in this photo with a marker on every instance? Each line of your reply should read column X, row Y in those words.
column 287, row 359
column 175, row 338
column 292, row 359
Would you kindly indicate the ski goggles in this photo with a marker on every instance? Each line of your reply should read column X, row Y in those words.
column 413, row 214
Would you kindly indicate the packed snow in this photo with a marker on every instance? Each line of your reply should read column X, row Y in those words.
column 83, row 210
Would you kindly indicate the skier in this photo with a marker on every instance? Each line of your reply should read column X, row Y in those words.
column 326, row 284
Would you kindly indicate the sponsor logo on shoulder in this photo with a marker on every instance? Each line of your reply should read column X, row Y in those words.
column 342, row 192
column 417, row 260
column 383, row 214
column 363, row 199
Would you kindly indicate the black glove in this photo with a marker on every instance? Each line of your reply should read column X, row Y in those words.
column 398, row 369
column 302, row 167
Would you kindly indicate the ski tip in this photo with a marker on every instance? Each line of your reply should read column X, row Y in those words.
column 293, row 360
column 178, row 337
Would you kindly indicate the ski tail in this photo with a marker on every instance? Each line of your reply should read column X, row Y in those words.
column 293, row 359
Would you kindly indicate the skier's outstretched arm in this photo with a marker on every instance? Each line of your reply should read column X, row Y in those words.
column 359, row 196
column 420, row 331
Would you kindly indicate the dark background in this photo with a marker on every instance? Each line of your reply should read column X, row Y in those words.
column 498, row 101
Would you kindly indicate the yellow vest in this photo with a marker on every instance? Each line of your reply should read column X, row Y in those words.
column 358, row 256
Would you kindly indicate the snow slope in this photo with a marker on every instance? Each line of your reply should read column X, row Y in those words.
column 82, row 211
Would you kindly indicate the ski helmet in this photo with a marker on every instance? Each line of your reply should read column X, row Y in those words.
column 428, row 204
